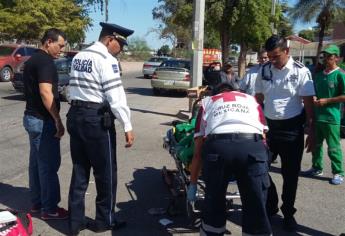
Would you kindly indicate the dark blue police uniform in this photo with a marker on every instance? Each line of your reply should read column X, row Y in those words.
column 97, row 97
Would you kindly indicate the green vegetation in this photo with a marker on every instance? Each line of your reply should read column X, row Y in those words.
column 26, row 20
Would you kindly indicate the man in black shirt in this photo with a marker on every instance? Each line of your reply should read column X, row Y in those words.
column 43, row 124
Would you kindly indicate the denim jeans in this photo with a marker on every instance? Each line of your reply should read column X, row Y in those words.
column 44, row 163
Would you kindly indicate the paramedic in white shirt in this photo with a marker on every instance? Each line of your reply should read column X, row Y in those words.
column 248, row 81
column 286, row 89
column 229, row 140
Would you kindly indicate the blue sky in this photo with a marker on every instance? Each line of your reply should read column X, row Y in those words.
column 137, row 15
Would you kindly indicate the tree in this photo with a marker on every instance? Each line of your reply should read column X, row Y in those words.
column 307, row 34
column 164, row 50
column 321, row 10
column 175, row 17
column 284, row 26
column 252, row 27
column 28, row 19
column 139, row 48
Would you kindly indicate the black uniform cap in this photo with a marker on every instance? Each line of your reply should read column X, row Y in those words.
column 119, row 32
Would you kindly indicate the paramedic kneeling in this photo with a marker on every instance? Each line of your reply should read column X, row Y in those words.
column 228, row 138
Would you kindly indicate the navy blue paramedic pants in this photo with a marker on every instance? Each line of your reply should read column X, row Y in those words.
column 286, row 138
column 94, row 147
column 247, row 160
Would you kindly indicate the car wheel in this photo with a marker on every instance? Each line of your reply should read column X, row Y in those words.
column 156, row 91
column 146, row 76
column 6, row 74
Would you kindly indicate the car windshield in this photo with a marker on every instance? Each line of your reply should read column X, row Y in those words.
column 6, row 51
column 157, row 59
column 178, row 64
column 63, row 66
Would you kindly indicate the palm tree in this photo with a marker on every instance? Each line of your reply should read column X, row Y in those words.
column 323, row 11
column 106, row 4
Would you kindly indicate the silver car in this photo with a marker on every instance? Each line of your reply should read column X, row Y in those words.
column 173, row 74
column 150, row 66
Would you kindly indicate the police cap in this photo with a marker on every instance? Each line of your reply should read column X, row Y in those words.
column 120, row 33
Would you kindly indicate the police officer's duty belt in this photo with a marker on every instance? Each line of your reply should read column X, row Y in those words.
column 92, row 105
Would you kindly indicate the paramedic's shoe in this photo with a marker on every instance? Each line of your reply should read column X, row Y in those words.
column 60, row 214
column 290, row 224
column 191, row 192
column 313, row 172
column 337, row 179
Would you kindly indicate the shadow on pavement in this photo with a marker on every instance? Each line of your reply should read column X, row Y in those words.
column 18, row 198
column 149, row 92
column 147, row 191
column 153, row 112
column 277, row 170
column 139, row 91
column 17, row 97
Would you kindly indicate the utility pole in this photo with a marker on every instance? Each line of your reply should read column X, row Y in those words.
column 198, row 41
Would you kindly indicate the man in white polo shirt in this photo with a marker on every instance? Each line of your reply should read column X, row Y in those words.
column 286, row 89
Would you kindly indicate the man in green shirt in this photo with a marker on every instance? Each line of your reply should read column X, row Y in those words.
column 330, row 93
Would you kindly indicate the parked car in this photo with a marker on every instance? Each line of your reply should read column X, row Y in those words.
column 150, row 65
column 63, row 66
column 11, row 55
column 173, row 74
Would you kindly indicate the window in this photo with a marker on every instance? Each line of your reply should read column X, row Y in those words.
column 6, row 51
column 21, row 51
column 30, row 51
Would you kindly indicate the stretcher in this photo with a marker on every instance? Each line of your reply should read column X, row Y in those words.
column 180, row 148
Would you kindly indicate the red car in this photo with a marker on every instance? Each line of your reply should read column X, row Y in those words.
column 11, row 55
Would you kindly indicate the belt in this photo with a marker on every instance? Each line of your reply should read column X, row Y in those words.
column 92, row 105
column 233, row 136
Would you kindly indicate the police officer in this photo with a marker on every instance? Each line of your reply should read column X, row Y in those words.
column 97, row 96
column 286, row 89
column 228, row 138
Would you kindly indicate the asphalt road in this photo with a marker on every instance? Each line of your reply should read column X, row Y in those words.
column 321, row 206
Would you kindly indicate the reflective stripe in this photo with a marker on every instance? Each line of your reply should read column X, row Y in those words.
column 74, row 79
column 211, row 229
column 202, row 232
column 111, row 180
column 246, row 234
column 99, row 53
column 112, row 87
column 111, row 81
column 86, row 87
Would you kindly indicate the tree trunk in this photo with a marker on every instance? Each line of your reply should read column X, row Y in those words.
column 106, row 9
column 319, row 46
column 224, row 37
column 242, row 60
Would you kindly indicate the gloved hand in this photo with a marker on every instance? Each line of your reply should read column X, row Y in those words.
column 191, row 192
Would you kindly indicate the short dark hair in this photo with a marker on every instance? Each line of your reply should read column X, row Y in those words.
column 274, row 42
column 52, row 34
column 105, row 32
column 229, row 85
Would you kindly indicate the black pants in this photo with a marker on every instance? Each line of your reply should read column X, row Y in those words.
column 94, row 147
column 286, row 139
column 246, row 159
